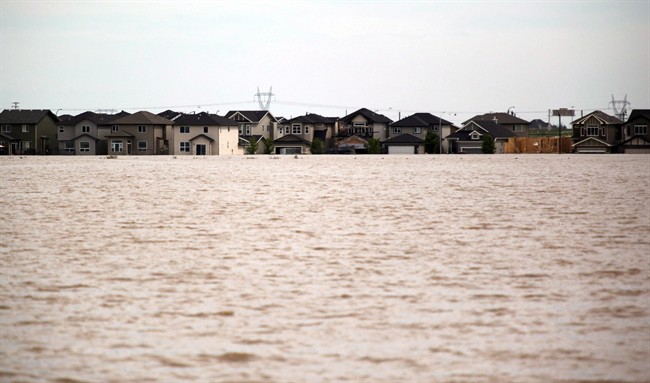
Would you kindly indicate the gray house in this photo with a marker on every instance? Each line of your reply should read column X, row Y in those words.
column 27, row 131
column 469, row 138
column 514, row 124
column 636, row 135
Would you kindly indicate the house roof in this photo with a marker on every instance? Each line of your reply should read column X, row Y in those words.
column 593, row 141
column 8, row 137
column 493, row 129
column 120, row 134
column 311, row 118
column 142, row 118
column 250, row 115
column 368, row 115
column 404, row 138
column 85, row 135
column 501, row 118
column 246, row 139
column 639, row 113
column 223, row 121
column 96, row 118
column 199, row 119
column 420, row 120
column 352, row 140
column 601, row 116
column 169, row 114
column 202, row 136
column 538, row 123
column 25, row 116
column 291, row 138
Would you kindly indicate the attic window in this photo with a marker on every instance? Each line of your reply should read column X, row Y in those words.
column 475, row 135
column 359, row 124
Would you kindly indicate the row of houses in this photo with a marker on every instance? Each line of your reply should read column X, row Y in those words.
column 175, row 133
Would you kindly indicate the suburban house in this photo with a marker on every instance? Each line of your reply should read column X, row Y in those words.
column 636, row 136
column 203, row 134
column 365, row 124
column 597, row 132
column 305, row 129
column 27, row 131
column 507, row 120
column 85, row 133
column 469, row 138
column 140, row 133
column 254, row 124
column 417, row 126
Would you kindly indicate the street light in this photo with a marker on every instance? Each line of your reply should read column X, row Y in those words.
column 512, row 107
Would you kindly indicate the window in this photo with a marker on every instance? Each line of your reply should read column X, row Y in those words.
column 286, row 130
column 518, row 128
column 397, row 130
column 114, row 128
column 142, row 129
column 205, row 129
column 592, row 130
column 185, row 129
column 240, row 118
column 306, row 129
column 185, row 146
column 117, row 146
column 142, row 146
column 85, row 129
column 25, row 129
column 6, row 128
column 641, row 129
column 248, row 130
column 359, row 124
column 84, row 146
column 296, row 129
column 280, row 129
column 475, row 135
column 241, row 130
column 417, row 130
column 69, row 147
column 61, row 129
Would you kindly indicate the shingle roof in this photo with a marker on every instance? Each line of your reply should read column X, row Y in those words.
column 202, row 136
column 25, row 116
column 142, row 118
column 311, row 118
column 96, row 118
column 606, row 118
column 495, row 130
column 636, row 113
column 290, row 138
column 420, row 120
column 502, row 118
column 251, row 115
column 368, row 115
column 404, row 138
column 202, row 119
column 223, row 121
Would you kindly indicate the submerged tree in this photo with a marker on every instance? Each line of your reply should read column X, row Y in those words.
column 268, row 145
column 253, row 145
column 316, row 146
column 432, row 143
column 488, row 145
column 373, row 146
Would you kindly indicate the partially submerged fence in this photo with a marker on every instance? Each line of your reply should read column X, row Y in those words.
column 537, row 145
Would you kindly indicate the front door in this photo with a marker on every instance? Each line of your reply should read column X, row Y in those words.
column 129, row 147
column 200, row 150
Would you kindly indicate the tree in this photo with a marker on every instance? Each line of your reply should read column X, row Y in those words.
column 432, row 143
column 253, row 145
column 488, row 145
column 316, row 146
column 268, row 145
column 373, row 146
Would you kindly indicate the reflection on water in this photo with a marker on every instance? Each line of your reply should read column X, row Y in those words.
column 325, row 268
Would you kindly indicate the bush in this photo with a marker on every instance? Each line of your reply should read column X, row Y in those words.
column 316, row 146
column 488, row 146
column 373, row 146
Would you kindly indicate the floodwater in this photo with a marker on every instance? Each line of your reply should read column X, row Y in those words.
column 503, row 268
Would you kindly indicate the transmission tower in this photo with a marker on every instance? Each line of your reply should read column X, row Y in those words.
column 266, row 103
column 15, row 104
column 622, row 112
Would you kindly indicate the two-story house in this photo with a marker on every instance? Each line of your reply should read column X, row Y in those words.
column 365, row 124
column 26, row 131
column 254, row 125
column 597, row 132
column 518, row 126
column 636, row 135
column 141, row 133
column 296, row 134
column 83, row 134
column 203, row 134
column 407, row 135
column 469, row 138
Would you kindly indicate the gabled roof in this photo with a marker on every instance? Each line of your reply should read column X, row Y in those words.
column 418, row 120
column 495, row 130
column 501, row 118
column 169, row 114
column 223, row 121
column 85, row 135
column 311, row 118
column 25, row 116
column 120, row 134
column 202, row 136
column 95, row 118
column 404, row 138
column 368, row 115
column 7, row 137
column 639, row 113
column 253, row 116
column 142, row 118
column 352, row 140
column 290, row 138
column 592, row 141
column 199, row 119
column 245, row 140
column 604, row 118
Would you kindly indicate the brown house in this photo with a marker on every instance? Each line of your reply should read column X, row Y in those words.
column 597, row 132
column 636, row 136
column 24, row 131
column 516, row 125
column 140, row 133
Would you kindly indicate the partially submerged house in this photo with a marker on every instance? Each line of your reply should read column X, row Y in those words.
column 141, row 133
column 203, row 134
column 636, row 136
column 508, row 120
column 28, row 131
column 469, row 138
column 597, row 132
column 417, row 126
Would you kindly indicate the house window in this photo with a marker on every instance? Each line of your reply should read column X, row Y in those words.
column 306, row 129
column 185, row 129
column 296, row 129
column 417, row 130
column 114, row 128
column 84, row 146
column 434, row 128
column 205, row 129
column 61, row 129
column 397, row 130
column 6, row 128
column 85, row 129
column 248, row 130
column 475, row 135
column 117, row 146
column 641, row 129
column 142, row 146
column 518, row 128
column 25, row 129
column 240, row 118
column 280, row 129
column 241, row 130
column 142, row 129
column 185, row 146
column 359, row 124
column 69, row 147
column 286, row 130
column 592, row 130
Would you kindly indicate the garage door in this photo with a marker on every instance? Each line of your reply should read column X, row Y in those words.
column 401, row 150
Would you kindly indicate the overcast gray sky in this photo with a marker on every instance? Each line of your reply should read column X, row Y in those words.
column 328, row 57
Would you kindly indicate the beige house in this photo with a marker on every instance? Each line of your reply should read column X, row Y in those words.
column 85, row 133
column 203, row 134
column 304, row 130
column 364, row 123
column 141, row 133
column 254, row 124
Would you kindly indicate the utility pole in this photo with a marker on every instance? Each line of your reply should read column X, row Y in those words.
column 559, row 113
column 15, row 105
